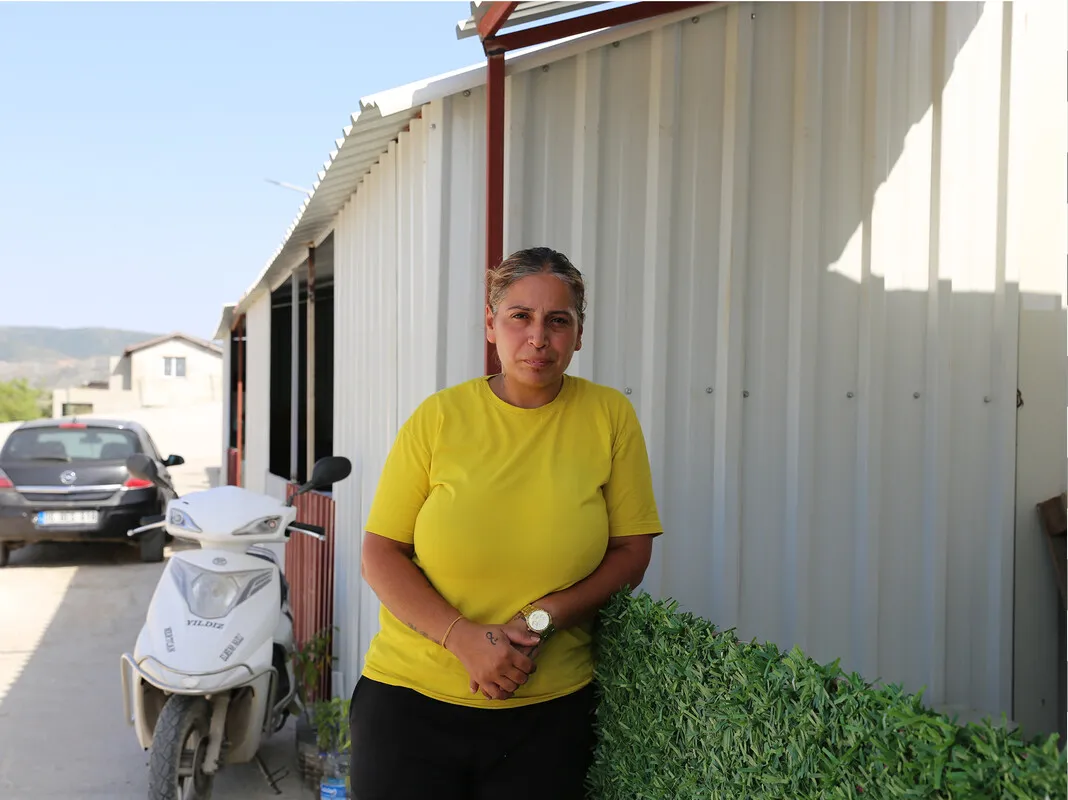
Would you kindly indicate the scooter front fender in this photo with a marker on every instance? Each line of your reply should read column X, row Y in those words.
column 143, row 696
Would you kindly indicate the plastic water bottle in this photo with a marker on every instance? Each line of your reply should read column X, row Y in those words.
column 334, row 784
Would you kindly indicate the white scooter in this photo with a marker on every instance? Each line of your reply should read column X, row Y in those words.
column 211, row 675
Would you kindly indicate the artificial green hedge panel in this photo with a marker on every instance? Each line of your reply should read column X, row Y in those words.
column 687, row 711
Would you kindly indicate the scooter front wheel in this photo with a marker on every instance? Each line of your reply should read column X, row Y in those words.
column 179, row 743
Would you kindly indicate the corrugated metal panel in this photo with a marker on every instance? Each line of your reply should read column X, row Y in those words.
column 1037, row 242
column 258, row 396
column 229, row 472
column 790, row 220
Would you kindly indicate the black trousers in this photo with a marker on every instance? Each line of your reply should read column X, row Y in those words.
column 406, row 746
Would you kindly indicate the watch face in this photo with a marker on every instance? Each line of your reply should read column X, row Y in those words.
column 538, row 620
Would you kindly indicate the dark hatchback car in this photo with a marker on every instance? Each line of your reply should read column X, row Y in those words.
column 66, row 480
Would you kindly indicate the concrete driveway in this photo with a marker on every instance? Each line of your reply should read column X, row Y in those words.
column 69, row 611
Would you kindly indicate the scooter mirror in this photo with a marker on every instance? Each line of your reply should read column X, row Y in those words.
column 141, row 466
column 328, row 470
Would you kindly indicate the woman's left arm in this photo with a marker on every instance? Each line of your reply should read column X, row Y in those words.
column 624, row 564
column 633, row 523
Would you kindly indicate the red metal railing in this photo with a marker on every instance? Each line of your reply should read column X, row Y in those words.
column 310, row 572
column 232, row 477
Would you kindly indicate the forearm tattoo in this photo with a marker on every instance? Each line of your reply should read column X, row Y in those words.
column 491, row 637
column 424, row 634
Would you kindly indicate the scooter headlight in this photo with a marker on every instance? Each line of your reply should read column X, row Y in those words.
column 260, row 527
column 211, row 595
column 180, row 519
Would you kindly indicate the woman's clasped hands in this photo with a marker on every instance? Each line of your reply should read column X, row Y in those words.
column 499, row 658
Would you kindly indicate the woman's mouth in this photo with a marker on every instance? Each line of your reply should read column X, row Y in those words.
column 537, row 363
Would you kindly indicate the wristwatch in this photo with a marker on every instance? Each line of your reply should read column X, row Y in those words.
column 539, row 621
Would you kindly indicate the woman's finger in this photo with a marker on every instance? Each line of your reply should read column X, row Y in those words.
column 516, row 676
column 519, row 634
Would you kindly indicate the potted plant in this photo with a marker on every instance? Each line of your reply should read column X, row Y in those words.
column 311, row 662
column 331, row 720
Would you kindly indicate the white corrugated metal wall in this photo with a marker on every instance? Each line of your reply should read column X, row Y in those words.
column 258, row 397
column 228, row 365
column 791, row 222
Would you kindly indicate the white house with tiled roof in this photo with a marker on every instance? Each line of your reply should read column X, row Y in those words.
column 171, row 370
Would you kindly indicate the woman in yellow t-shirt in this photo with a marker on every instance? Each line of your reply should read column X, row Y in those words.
column 509, row 510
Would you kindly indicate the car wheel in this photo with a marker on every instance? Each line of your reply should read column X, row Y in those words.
column 5, row 553
column 152, row 544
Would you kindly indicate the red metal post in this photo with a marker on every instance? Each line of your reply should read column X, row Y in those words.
column 493, row 19
column 550, row 32
column 231, row 467
column 494, row 178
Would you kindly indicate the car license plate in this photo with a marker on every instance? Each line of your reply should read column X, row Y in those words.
column 49, row 518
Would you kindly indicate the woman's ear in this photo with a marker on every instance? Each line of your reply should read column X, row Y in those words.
column 491, row 333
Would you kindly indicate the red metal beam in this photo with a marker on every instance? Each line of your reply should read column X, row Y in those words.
column 585, row 23
column 494, row 179
column 494, row 18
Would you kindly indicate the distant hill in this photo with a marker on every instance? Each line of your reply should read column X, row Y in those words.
column 26, row 344
column 50, row 358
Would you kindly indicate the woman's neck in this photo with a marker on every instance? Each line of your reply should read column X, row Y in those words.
column 524, row 396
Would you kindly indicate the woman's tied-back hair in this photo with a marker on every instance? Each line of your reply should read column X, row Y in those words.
column 534, row 261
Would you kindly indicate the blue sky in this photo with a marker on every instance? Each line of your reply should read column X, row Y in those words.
column 135, row 140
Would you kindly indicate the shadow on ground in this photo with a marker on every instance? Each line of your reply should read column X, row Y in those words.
column 62, row 732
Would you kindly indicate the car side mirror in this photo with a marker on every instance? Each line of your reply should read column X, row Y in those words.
column 173, row 461
column 141, row 466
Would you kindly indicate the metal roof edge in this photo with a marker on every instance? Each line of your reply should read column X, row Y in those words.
column 404, row 100
column 226, row 323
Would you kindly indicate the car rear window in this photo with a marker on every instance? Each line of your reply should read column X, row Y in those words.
column 70, row 444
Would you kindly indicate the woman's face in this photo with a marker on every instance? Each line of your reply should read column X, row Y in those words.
column 536, row 330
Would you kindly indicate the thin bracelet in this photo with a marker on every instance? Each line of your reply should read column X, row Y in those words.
column 448, row 630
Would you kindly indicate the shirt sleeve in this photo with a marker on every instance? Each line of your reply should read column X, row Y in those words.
column 404, row 483
column 629, row 492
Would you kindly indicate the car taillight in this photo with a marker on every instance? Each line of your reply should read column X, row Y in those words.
column 78, row 425
column 137, row 483
column 5, row 482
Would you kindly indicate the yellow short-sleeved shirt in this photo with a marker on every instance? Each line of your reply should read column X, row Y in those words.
column 505, row 505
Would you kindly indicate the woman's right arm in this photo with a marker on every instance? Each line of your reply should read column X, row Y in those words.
column 402, row 587
column 485, row 650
